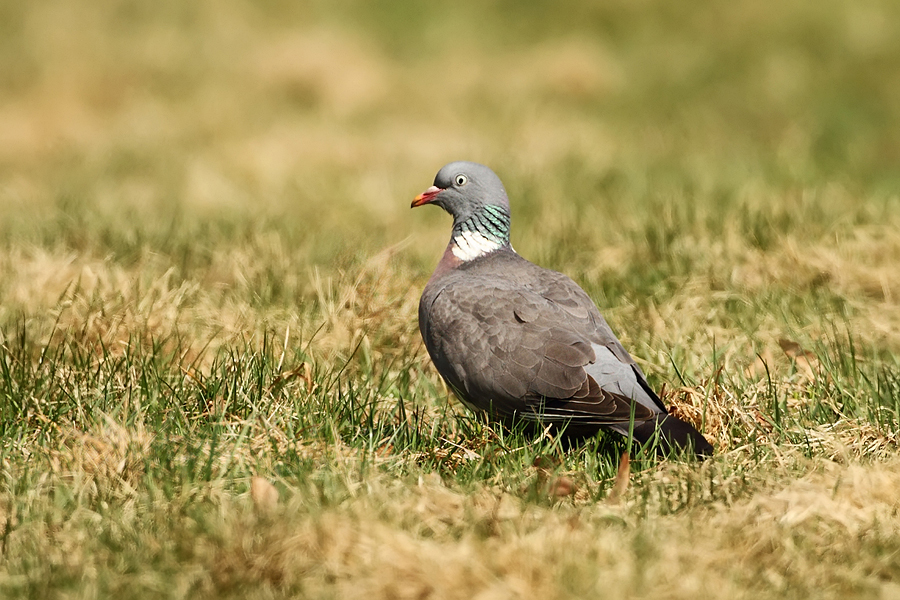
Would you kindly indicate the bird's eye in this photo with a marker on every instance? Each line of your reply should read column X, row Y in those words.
column 461, row 179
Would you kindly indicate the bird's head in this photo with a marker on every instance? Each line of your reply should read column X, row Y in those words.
column 463, row 189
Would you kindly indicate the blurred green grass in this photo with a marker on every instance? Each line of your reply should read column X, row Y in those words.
column 209, row 271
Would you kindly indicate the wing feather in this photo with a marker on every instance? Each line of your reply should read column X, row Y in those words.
column 535, row 346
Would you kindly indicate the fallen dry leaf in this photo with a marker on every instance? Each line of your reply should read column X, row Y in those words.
column 264, row 494
column 622, row 477
column 790, row 347
column 807, row 362
column 561, row 487
column 762, row 364
column 546, row 463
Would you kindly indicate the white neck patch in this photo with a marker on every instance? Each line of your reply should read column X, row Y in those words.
column 469, row 245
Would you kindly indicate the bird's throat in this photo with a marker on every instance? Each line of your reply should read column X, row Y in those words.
column 483, row 232
column 469, row 245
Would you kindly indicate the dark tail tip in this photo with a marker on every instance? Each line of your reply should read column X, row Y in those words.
column 670, row 433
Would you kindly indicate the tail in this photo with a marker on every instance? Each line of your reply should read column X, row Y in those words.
column 671, row 433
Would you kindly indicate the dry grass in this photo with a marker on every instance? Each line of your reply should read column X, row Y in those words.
column 211, row 378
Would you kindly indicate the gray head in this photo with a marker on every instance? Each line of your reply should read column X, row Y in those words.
column 463, row 189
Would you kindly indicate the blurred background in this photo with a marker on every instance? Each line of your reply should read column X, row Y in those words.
column 209, row 270
column 237, row 143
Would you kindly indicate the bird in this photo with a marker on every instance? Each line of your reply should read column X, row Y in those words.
column 525, row 344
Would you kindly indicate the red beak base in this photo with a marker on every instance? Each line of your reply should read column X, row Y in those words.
column 426, row 197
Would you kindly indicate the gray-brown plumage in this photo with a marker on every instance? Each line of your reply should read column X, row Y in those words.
column 526, row 343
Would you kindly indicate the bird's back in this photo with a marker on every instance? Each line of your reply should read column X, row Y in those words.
column 511, row 337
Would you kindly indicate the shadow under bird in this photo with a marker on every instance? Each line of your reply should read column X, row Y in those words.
column 524, row 343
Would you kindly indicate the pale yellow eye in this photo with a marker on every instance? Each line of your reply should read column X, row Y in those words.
column 461, row 180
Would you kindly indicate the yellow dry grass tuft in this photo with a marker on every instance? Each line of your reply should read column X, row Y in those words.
column 108, row 459
column 432, row 541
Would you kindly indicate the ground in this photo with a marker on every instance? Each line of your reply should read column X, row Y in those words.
column 211, row 378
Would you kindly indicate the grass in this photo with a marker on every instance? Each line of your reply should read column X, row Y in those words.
column 211, row 379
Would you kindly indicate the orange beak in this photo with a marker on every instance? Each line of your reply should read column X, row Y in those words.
column 426, row 196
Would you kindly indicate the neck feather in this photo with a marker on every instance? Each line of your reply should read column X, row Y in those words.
column 482, row 232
